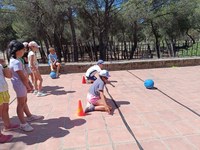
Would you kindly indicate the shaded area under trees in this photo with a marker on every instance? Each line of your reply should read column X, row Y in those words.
column 89, row 30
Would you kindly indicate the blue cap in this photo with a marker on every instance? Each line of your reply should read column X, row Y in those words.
column 100, row 62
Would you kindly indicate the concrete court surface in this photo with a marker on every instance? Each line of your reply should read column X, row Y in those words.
column 166, row 118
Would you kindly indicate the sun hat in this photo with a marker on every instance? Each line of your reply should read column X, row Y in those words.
column 100, row 62
column 104, row 73
column 33, row 43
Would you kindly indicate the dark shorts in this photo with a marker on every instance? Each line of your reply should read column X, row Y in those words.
column 93, row 78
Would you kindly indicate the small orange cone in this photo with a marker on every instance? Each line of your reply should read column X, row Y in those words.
column 80, row 111
column 83, row 80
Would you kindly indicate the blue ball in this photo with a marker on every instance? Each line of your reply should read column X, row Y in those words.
column 149, row 83
column 53, row 74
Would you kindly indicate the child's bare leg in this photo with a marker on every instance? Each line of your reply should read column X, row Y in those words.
column 58, row 68
column 40, row 84
column 51, row 67
column 100, row 106
column 38, row 77
column 21, row 101
column 5, row 115
column 32, row 78
column 35, row 80
column 26, row 109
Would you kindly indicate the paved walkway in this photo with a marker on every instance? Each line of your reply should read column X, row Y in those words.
column 166, row 118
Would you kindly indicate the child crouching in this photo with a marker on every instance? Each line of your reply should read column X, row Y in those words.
column 96, row 100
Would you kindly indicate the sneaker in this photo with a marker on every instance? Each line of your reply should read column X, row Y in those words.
column 40, row 94
column 89, row 108
column 33, row 117
column 5, row 138
column 35, row 92
column 11, row 127
column 26, row 127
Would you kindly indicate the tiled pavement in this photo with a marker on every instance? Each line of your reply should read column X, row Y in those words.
column 167, row 118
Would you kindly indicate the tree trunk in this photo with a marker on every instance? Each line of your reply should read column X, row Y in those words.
column 46, row 45
column 104, row 29
column 57, row 45
column 95, row 46
column 125, row 51
column 193, row 41
column 71, row 21
column 42, row 53
column 65, row 53
column 135, row 39
column 155, row 32
column 102, row 50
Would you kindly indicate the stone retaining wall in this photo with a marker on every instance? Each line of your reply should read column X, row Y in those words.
column 125, row 65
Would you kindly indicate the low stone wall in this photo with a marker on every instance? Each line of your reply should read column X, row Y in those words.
column 125, row 65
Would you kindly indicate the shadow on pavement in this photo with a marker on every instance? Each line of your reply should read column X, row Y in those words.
column 116, row 104
column 55, row 90
column 45, row 129
column 153, row 88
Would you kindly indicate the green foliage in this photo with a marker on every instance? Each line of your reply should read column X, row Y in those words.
column 6, row 30
column 62, row 22
column 194, row 50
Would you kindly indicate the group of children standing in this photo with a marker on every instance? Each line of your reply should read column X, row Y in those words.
column 22, row 63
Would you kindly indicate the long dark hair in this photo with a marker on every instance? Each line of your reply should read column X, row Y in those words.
column 13, row 47
column 8, row 51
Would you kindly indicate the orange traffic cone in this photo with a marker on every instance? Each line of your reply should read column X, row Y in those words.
column 83, row 80
column 80, row 111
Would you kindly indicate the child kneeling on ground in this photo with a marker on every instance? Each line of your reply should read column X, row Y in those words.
column 96, row 100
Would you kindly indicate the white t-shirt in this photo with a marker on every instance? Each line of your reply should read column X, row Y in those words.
column 3, row 83
column 35, row 62
column 92, row 71
column 16, row 65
